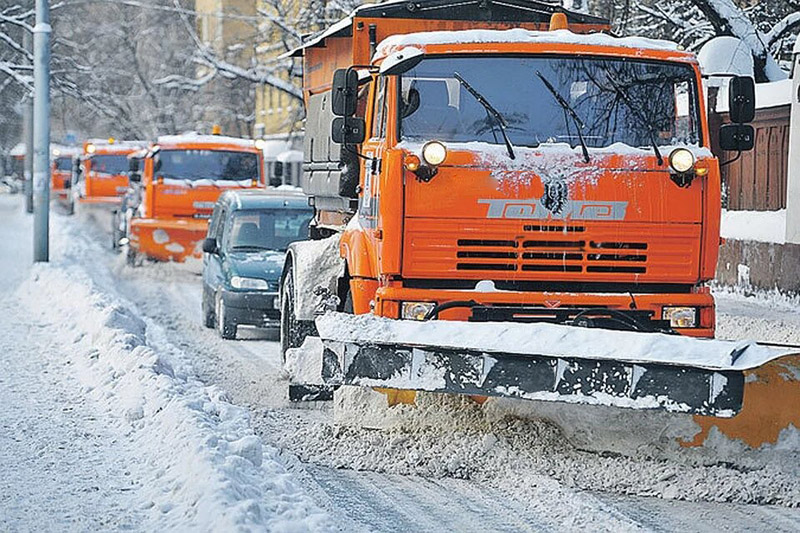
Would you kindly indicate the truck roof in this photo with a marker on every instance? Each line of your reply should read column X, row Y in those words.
column 213, row 141
column 510, row 11
column 519, row 36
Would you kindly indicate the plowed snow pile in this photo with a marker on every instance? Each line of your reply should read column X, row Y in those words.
column 200, row 465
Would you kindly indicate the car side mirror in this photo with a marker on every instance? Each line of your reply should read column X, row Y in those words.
column 210, row 245
column 742, row 99
column 344, row 92
column 736, row 137
column 348, row 130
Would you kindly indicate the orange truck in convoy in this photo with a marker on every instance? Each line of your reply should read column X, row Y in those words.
column 61, row 175
column 105, row 172
column 180, row 178
column 511, row 165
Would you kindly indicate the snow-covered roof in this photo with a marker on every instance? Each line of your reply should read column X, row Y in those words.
column 18, row 150
column 519, row 35
column 197, row 138
column 103, row 143
column 726, row 55
column 290, row 156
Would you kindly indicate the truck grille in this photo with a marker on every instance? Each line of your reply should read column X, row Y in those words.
column 546, row 255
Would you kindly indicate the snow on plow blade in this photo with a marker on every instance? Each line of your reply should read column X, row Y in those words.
column 531, row 361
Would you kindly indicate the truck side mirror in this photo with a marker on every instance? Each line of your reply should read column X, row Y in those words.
column 133, row 165
column 344, row 93
column 210, row 245
column 736, row 137
column 134, row 177
column 742, row 99
column 275, row 181
column 348, row 130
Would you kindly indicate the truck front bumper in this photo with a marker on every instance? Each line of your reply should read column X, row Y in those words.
column 388, row 303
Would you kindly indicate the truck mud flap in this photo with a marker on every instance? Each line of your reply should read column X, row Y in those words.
column 310, row 393
column 674, row 388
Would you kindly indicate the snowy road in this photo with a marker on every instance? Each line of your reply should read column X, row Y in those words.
column 468, row 474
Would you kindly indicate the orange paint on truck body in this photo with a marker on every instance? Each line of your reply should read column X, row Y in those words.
column 176, row 208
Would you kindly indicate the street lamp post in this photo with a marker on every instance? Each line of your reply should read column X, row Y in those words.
column 41, row 133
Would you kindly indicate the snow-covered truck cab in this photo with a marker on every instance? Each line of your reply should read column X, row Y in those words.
column 105, row 171
column 568, row 174
column 181, row 178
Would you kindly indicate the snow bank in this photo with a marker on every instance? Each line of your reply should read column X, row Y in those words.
column 207, row 470
column 761, row 226
column 548, row 339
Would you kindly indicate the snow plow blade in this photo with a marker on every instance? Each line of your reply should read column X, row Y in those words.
column 167, row 240
column 531, row 361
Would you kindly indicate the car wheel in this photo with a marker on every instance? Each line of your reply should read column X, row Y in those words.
column 208, row 313
column 225, row 327
column 293, row 331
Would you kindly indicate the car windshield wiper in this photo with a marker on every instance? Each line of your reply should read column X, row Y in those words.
column 620, row 91
column 568, row 108
column 490, row 109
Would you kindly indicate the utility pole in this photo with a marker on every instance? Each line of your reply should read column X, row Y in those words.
column 27, row 132
column 41, row 133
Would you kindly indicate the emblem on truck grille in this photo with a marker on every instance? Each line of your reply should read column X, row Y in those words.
column 559, row 207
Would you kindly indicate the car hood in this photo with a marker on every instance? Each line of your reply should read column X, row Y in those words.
column 266, row 264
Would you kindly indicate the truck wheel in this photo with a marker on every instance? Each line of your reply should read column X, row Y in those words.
column 293, row 331
column 225, row 327
column 208, row 313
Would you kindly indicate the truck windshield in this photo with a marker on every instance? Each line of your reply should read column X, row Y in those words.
column 268, row 229
column 64, row 163
column 109, row 164
column 615, row 101
column 195, row 165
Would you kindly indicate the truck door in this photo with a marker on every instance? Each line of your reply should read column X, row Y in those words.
column 373, row 149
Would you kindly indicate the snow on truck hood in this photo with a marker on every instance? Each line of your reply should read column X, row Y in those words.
column 550, row 340
column 519, row 35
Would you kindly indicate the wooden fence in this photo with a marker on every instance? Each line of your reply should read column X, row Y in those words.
column 757, row 180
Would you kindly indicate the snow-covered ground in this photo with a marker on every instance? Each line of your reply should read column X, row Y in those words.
column 122, row 411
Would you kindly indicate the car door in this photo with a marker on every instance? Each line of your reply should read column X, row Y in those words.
column 212, row 263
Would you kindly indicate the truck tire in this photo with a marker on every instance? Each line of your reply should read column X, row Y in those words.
column 293, row 331
column 225, row 327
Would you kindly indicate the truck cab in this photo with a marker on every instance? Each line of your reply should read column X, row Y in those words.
column 105, row 171
column 181, row 178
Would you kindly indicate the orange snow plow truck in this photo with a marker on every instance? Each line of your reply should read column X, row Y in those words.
column 105, row 172
column 510, row 202
column 181, row 178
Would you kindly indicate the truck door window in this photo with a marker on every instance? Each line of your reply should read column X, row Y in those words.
column 379, row 110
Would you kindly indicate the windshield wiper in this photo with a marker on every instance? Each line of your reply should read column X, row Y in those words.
column 492, row 111
column 248, row 247
column 568, row 108
column 618, row 88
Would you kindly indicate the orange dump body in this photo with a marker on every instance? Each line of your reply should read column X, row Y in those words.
column 173, row 218
column 105, row 172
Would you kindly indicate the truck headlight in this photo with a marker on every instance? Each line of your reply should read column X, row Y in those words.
column 238, row 282
column 680, row 317
column 681, row 160
column 416, row 310
column 434, row 153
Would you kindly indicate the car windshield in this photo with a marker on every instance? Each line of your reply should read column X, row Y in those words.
column 267, row 229
column 109, row 164
column 64, row 163
column 544, row 99
column 195, row 165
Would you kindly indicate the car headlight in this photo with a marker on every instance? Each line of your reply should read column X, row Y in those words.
column 434, row 153
column 680, row 317
column 416, row 310
column 238, row 282
column 681, row 160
